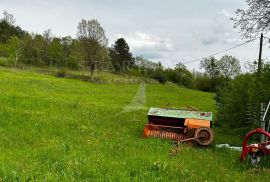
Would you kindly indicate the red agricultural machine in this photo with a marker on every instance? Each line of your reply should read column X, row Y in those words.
column 180, row 125
column 256, row 151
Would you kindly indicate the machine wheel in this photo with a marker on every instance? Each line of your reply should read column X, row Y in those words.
column 204, row 136
column 254, row 159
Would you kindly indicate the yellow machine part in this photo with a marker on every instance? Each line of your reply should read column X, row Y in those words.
column 197, row 123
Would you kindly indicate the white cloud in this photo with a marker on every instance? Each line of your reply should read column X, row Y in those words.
column 149, row 45
column 221, row 30
column 226, row 13
column 158, row 30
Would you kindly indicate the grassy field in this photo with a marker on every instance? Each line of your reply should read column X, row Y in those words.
column 55, row 129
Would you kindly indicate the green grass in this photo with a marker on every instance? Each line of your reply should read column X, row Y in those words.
column 55, row 129
column 83, row 75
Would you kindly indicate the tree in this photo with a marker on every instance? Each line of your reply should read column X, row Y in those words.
column 13, row 46
column 229, row 66
column 93, row 39
column 233, row 101
column 7, row 29
column 184, row 76
column 159, row 74
column 213, row 78
column 210, row 66
column 56, row 52
column 9, row 18
column 68, row 44
column 121, row 57
column 146, row 67
column 255, row 19
column 47, row 37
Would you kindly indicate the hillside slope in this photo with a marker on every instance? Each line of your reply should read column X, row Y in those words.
column 62, row 130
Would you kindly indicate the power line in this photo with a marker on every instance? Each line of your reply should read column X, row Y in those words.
column 266, row 37
column 238, row 45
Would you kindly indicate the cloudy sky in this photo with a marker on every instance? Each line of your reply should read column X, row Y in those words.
column 169, row 31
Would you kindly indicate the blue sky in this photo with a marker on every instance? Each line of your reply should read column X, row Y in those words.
column 169, row 31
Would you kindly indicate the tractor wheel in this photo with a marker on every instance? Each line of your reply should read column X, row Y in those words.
column 204, row 136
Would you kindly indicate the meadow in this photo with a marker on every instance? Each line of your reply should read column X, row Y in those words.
column 57, row 129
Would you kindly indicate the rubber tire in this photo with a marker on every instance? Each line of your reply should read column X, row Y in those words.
column 210, row 133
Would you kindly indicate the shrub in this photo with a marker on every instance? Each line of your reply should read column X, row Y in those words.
column 7, row 62
column 159, row 76
column 61, row 73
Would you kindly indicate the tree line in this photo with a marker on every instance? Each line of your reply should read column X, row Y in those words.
column 90, row 51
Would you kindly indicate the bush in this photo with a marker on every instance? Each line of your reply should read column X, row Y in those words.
column 7, row 62
column 72, row 64
column 159, row 76
column 61, row 73
column 234, row 100
column 206, row 84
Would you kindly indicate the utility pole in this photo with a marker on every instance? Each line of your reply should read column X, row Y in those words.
column 258, row 77
column 260, row 55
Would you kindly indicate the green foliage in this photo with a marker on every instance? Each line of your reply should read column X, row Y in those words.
column 217, row 73
column 93, row 41
column 7, row 62
column 229, row 66
column 180, row 75
column 204, row 83
column 239, row 102
column 120, row 56
column 61, row 73
column 7, row 31
column 211, row 67
column 159, row 76
column 56, row 52
column 233, row 101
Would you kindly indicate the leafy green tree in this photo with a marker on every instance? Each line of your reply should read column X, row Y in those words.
column 56, row 52
column 9, row 18
column 184, row 75
column 72, row 52
column 202, row 82
column 233, row 101
column 32, row 49
column 145, row 66
column 229, row 66
column 212, row 70
column 7, row 31
column 121, row 57
column 92, row 40
column 68, row 44
column 47, row 39
column 39, row 51
column 159, row 74
column 179, row 75
column 13, row 46
column 210, row 66
column 75, row 59
column 239, row 101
